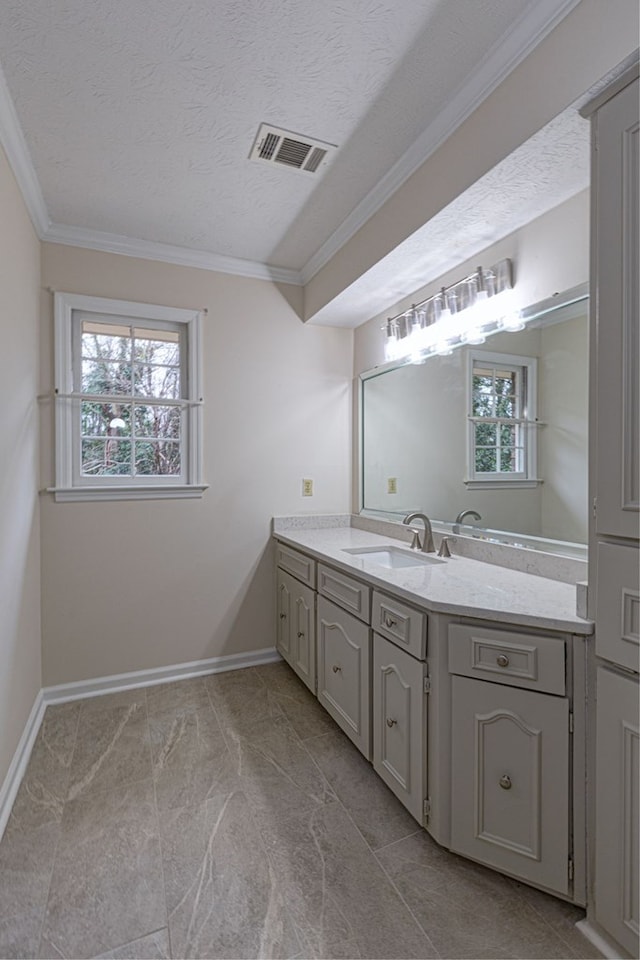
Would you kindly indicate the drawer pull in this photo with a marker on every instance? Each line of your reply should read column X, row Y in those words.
column 336, row 668
column 389, row 621
column 502, row 660
column 283, row 616
column 390, row 722
column 301, row 633
column 505, row 782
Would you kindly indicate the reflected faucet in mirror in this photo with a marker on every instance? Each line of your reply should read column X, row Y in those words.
column 461, row 518
column 428, row 545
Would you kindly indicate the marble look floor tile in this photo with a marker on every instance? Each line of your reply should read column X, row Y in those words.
column 562, row 918
column 107, row 701
column 155, row 946
column 20, row 936
column 336, row 891
column 467, row 910
column 26, row 863
column 44, row 786
column 307, row 717
column 181, row 695
column 276, row 772
column 375, row 810
column 107, row 883
column 112, row 748
column 222, row 896
column 190, row 757
column 242, row 701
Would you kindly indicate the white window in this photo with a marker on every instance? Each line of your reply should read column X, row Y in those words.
column 128, row 400
column 502, row 420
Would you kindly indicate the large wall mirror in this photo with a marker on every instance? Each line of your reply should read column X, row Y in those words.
column 424, row 448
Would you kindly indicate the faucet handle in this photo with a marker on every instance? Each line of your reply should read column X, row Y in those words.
column 416, row 543
column 444, row 550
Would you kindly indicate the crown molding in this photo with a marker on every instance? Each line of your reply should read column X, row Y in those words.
column 166, row 253
column 15, row 147
column 527, row 32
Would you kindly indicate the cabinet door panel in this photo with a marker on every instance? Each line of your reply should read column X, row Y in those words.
column 617, row 888
column 399, row 723
column 283, row 634
column 510, row 780
column 344, row 665
column 303, row 640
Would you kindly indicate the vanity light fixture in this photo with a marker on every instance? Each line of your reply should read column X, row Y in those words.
column 467, row 312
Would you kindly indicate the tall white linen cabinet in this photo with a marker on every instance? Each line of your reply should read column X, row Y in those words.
column 614, row 571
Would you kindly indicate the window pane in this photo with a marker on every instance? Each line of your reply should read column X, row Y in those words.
column 505, row 383
column 158, row 458
column 159, row 346
column 485, row 460
column 162, row 383
column 508, row 460
column 106, row 457
column 486, row 434
column 507, row 436
column 158, row 422
column 105, row 420
column 106, row 342
column 103, row 376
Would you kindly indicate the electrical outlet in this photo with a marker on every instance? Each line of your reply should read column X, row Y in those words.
column 392, row 485
column 307, row 488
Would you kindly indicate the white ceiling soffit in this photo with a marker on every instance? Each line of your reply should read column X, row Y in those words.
column 37, row 31
column 542, row 173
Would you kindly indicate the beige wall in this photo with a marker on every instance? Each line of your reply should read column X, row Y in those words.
column 135, row 585
column 586, row 45
column 19, row 511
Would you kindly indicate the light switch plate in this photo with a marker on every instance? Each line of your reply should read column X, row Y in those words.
column 392, row 485
column 307, row 488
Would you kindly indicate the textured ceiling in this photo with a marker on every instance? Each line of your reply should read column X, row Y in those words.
column 139, row 114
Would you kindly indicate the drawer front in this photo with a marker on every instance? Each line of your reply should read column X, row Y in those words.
column 303, row 568
column 515, row 659
column 348, row 593
column 618, row 605
column 403, row 625
column 344, row 672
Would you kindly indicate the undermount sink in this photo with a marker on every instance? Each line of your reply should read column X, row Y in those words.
column 392, row 557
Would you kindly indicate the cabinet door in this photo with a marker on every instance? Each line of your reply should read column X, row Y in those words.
column 283, row 610
column 616, row 184
column 400, row 724
column 303, row 634
column 617, row 887
column 344, row 672
column 510, row 780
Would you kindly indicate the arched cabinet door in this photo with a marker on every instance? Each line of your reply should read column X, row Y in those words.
column 296, row 633
column 400, row 724
column 510, row 780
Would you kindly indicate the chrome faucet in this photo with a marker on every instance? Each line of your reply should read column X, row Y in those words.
column 461, row 517
column 428, row 545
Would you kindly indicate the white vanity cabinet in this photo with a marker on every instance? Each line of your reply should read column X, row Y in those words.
column 400, row 686
column 510, row 753
column 296, row 613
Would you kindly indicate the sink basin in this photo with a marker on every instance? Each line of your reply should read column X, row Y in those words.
column 392, row 557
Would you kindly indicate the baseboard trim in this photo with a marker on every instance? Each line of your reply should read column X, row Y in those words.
column 606, row 947
column 18, row 765
column 81, row 689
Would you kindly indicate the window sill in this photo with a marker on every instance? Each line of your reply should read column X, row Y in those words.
column 150, row 492
column 502, row 484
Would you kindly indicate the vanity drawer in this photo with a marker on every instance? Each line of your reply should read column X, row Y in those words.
column 403, row 625
column 515, row 659
column 350, row 594
column 301, row 567
column 618, row 605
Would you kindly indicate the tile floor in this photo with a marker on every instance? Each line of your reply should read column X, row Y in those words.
column 227, row 816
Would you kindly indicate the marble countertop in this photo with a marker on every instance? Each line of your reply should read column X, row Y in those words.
column 459, row 586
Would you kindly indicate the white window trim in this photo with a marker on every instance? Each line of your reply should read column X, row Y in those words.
column 67, row 487
column 526, row 481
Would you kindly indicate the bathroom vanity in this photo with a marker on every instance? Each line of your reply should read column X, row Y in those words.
column 461, row 681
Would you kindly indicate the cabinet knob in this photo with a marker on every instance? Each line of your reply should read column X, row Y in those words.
column 336, row 668
column 505, row 782
column 389, row 621
column 283, row 616
column 390, row 722
column 301, row 633
column 502, row 660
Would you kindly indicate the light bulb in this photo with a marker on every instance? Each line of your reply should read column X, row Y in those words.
column 513, row 322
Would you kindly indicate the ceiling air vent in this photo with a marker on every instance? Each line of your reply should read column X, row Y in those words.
column 274, row 145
